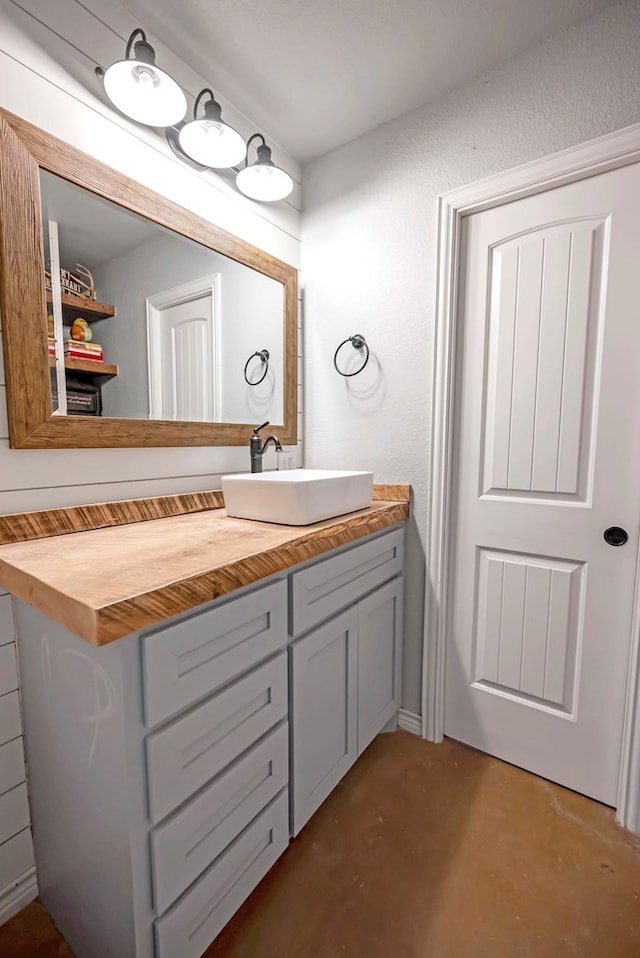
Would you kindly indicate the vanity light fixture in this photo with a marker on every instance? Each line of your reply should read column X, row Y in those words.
column 140, row 90
column 209, row 141
column 263, row 180
column 148, row 95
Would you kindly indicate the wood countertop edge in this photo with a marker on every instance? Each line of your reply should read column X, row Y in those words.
column 24, row 526
column 102, row 625
column 46, row 523
column 78, row 617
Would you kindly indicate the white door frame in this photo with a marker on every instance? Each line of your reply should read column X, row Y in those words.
column 596, row 156
column 175, row 297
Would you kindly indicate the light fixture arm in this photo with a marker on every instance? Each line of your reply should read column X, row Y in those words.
column 212, row 109
column 141, row 49
column 259, row 149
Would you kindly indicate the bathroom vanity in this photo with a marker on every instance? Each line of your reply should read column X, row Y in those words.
column 194, row 687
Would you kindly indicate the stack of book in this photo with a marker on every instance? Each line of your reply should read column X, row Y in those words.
column 52, row 347
column 77, row 350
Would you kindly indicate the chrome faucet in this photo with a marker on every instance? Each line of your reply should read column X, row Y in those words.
column 257, row 447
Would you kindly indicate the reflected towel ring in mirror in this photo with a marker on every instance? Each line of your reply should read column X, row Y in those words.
column 263, row 355
column 358, row 342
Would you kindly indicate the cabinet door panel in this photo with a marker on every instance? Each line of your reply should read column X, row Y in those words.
column 192, row 839
column 321, row 590
column 191, row 925
column 189, row 660
column 324, row 722
column 379, row 660
column 188, row 753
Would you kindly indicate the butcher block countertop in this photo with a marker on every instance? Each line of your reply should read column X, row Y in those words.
column 107, row 570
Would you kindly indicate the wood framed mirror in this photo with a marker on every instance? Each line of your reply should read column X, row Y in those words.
column 40, row 176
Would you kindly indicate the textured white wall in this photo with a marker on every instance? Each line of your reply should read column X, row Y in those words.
column 369, row 248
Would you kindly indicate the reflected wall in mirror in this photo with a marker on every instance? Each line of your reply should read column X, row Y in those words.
column 133, row 322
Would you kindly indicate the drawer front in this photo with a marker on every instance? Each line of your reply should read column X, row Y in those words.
column 323, row 589
column 192, row 839
column 12, row 770
column 8, row 668
column 7, row 629
column 16, row 858
column 192, row 924
column 10, row 724
column 14, row 812
column 188, row 661
column 188, row 753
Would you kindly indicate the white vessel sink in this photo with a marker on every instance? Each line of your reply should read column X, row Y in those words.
column 296, row 497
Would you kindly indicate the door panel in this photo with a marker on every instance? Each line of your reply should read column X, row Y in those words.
column 526, row 630
column 543, row 300
column 547, row 457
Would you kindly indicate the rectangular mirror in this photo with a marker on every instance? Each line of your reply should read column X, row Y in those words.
column 131, row 321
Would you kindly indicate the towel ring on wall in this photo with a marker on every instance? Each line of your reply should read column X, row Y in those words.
column 263, row 355
column 358, row 342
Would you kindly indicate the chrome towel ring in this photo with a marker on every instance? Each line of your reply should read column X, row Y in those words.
column 263, row 356
column 358, row 342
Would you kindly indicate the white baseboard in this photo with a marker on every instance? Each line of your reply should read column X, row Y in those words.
column 19, row 893
column 410, row 721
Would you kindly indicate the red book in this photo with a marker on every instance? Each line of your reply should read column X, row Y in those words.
column 94, row 356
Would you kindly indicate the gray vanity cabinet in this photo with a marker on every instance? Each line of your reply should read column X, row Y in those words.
column 161, row 764
column 344, row 675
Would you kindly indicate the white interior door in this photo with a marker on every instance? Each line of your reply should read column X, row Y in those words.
column 184, row 353
column 547, row 458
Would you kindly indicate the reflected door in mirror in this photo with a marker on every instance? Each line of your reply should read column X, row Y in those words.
column 185, row 376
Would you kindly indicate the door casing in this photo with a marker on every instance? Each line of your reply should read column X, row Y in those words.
column 609, row 152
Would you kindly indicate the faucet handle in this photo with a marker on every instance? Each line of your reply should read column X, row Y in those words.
column 258, row 428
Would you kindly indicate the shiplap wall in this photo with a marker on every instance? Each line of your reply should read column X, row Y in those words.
column 48, row 53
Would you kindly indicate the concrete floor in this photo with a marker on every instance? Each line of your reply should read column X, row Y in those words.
column 430, row 851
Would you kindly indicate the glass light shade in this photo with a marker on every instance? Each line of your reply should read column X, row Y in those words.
column 212, row 143
column 145, row 93
column 264, row 182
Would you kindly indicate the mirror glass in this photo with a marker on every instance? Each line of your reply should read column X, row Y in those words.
column 147, row 324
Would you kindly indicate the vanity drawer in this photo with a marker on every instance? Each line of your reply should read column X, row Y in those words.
column 8, row 668
column 10, row 724
column 188, row 661
column 14, row 812
column 188, row 753
column 193, row 838
column 327, row 587
column 12, row 770
column 192, row 924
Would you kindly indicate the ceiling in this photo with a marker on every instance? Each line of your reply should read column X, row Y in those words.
column 314, row 74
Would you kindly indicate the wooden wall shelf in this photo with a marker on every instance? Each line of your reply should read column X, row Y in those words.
column 76, row 307
column 91, row 366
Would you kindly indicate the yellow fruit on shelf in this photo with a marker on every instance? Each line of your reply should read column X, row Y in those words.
column 81, row 331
